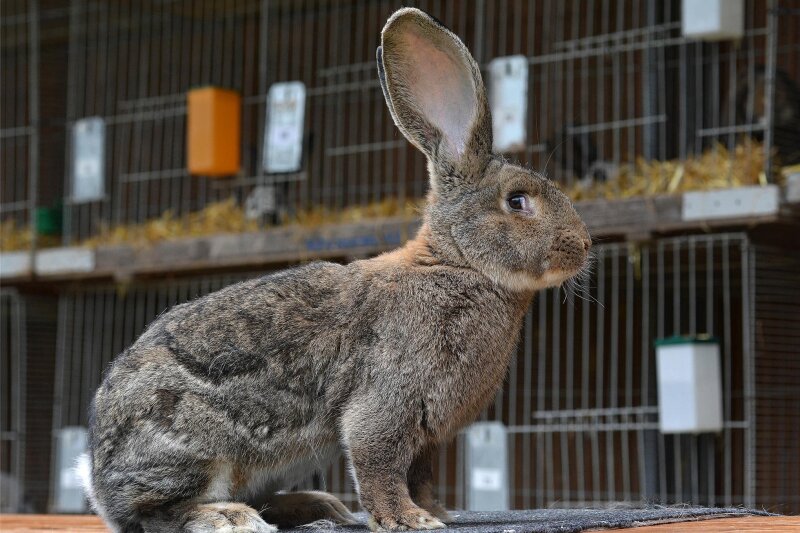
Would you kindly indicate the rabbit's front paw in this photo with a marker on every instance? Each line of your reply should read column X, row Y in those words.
column 414, row 518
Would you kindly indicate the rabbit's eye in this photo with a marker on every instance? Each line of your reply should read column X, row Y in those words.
column 518, row 202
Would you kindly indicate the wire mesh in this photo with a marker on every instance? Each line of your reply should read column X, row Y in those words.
column 777, row 379
column 19, row 115
column 12, row 407
column 610, row 82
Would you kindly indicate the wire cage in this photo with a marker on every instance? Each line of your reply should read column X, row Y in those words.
column 19, row 121
column 27, row 347
column 12, row 407
column 612, row 85
column 579, row 401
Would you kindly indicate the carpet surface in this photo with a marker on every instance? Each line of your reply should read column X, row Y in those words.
column 560, row 520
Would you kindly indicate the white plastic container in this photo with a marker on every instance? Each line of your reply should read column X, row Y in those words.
column 88, row 159
column 487, row 467
column 713, row 20
column 508, row 99
column 283, row 142
column 689, row 385
column 67, row 495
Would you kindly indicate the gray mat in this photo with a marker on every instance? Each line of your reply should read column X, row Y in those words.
column 560, row 520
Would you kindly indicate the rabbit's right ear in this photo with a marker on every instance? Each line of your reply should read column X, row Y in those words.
column 435, row 93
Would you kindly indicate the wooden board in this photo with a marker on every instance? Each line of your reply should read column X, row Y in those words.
column 28, row 523
column 764, row 524
column 92, row 524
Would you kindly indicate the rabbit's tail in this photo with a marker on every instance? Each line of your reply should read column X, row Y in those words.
column 83, row 468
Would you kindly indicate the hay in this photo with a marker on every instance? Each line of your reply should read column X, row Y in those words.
column 716, row 168
column 217, row 217
column 227, row 217
column 12, row 237
column 15, row 238
column 391, row 207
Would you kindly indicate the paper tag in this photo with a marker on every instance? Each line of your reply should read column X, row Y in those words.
column 88, row 176
column 486, row 479
column 283, row 142
column 508, row 99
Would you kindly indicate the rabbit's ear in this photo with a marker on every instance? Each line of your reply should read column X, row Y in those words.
column 434, row 90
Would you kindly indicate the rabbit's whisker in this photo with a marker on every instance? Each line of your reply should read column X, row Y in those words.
column 549, row 157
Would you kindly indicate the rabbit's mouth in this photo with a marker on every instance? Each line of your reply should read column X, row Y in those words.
column 567, row 259
column 524, row 281
column 554, row 277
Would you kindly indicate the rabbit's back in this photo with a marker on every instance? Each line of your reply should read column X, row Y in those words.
column 261, row 325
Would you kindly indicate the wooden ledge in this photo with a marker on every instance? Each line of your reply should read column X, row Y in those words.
column 633, row 219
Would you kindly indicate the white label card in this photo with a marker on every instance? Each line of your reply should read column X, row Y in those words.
column 283, row 142
column 487, row 478
column 88, row 159
column 508, row 99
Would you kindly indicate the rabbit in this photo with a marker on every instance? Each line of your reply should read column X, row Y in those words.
column 750, row 101
column 577, row 155
column 227, row 399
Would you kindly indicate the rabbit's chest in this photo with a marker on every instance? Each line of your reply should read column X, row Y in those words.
column 475, row 351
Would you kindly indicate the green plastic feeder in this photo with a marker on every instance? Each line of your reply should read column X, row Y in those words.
column 48, row 220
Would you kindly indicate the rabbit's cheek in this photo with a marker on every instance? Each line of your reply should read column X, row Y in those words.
column 537, row 261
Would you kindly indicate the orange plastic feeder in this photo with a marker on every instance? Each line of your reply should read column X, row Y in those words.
column 213, row 132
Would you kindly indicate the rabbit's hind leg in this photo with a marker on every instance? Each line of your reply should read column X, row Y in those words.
column 173, row 494
column 217, row 517
column 299, row 508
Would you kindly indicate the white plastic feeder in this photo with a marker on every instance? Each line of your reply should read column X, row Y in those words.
column 689, row 385
column 713, row 20
column 487, row 467
column 508, row 98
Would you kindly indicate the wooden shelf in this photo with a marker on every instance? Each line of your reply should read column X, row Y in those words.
column 634, row 219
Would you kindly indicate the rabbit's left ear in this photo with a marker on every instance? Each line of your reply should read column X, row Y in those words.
column 434, row 90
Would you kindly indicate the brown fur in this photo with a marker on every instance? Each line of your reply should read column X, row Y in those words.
column 228, row 399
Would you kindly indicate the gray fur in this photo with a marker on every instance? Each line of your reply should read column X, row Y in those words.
column 229, row 398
